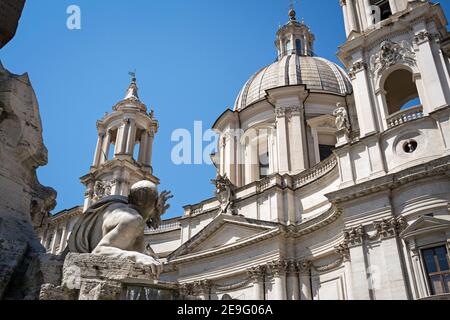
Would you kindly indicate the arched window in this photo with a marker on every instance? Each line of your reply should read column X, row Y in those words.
column 401, row 91
column 384, row 10
column 298, row 46
column 289, row 46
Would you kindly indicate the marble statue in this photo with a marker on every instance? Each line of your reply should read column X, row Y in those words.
column 225, row 194
column 114, row 226
column 342, row 120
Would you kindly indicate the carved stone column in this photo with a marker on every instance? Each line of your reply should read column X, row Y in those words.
column 282, row 141
column 435, row 93
column 143, row 147
column 278, row 269
column 293, row 289
column 343, row 251
column 257, row 274
column 343, row 4
column 422, row 283
column 62, row 244
column 55, row 237
column 304, row 269
column 98, row 150
column 151, row 138
column 202, row 289
column 125, row 136
column 297, row 137
column 105, row 148
column 121, row 139
column 367, row 117
column 394, row 276
column 354, row 238
column 131, row 140
column 352, row 25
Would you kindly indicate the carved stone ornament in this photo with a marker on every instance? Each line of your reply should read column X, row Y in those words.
column 343, row 251
column 288, row 112
column 102, row 189
column 388, row 228
column 257, row 273
column 354, row 236
column 225, row 194
column 392, row 53
column 304, row 266
column 423, row 36
column 278, row 267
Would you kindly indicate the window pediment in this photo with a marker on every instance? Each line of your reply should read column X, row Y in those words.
column 425, row 225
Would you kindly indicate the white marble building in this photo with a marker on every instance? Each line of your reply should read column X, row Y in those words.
column 337, row 184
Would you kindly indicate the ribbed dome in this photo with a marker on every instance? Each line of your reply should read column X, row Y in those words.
column 316, row 73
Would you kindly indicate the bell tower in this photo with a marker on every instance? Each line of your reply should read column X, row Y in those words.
column 123, row 155
column 396, row 63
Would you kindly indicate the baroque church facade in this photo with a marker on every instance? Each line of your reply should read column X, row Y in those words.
column 331, row 185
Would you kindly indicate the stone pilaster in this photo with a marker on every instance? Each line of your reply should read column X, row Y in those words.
column 278, row 270
column 354, row 238
column 282, row 141
column 202, row 289
column 293, row 288
column 304, row 271
column 257, row 274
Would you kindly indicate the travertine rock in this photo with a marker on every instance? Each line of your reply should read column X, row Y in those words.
column 24, row 202
column 10, row 12
column 96, row 277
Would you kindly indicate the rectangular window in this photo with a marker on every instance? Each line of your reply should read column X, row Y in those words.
column 438, row 269
column 325, row 151
column 264, row 165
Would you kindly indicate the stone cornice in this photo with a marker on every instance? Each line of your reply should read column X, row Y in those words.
column 107, row 167
column 227, row 248
column 430, row 169
column 295, row 231
column 64, row 215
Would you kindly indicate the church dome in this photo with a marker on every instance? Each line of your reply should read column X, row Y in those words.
column 318, row 74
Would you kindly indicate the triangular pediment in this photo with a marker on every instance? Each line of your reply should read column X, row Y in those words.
column 425, row 225
column 224, row 230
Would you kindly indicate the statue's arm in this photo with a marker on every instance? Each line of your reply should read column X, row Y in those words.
column 121, row 240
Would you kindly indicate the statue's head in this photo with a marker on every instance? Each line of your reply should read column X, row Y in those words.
column 144, row 195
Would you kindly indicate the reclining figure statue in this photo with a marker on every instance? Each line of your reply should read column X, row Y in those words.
column 115, row 225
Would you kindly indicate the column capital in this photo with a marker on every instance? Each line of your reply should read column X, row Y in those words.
column 357, row 67
column 423, row 36
column 186, row 289
column 257, row 273
column 202, row 286
column 278, row 267
column 343, row 251
column 304, row 267
column 289, row 111
column 354, row 236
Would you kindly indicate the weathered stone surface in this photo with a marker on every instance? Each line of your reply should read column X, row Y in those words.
column 95, row 277
column 22, row 198
column 10, row 12
column 52, row 292
column 103, row 268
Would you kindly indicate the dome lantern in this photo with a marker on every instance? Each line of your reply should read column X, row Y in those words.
column 294, row 38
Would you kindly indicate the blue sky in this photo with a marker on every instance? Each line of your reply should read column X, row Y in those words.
column 192, row 58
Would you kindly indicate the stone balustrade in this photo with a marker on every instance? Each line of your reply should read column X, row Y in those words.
column 404, row 116
column 315, row 172
column 167, row 225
